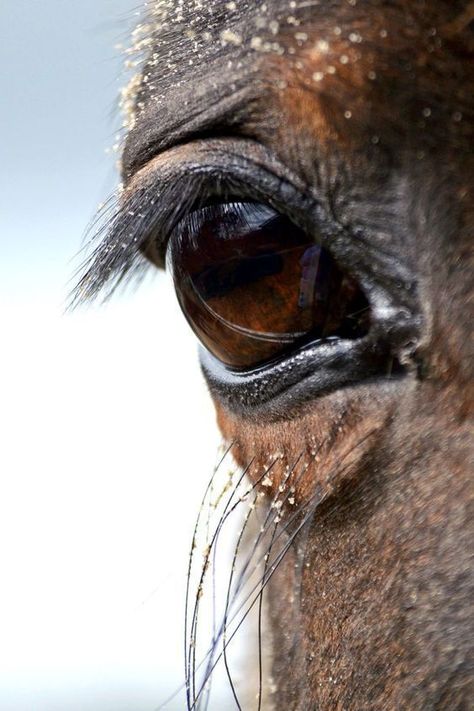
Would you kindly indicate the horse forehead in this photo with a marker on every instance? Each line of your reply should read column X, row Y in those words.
column 195, row 49
column 365, row 56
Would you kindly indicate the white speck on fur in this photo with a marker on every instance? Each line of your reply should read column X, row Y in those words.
column 231, row 37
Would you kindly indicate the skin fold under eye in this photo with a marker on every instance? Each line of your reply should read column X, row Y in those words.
column 253, row 285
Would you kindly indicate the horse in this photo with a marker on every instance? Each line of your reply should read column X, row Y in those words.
column 304, row 169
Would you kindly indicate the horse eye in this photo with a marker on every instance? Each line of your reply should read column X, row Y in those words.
column 253, row 285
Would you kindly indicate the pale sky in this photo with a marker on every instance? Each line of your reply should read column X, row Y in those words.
column 108, row 434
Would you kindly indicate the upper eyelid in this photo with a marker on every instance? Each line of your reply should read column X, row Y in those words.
column 163, row 191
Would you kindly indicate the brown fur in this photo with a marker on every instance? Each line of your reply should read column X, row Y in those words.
column 387, row 601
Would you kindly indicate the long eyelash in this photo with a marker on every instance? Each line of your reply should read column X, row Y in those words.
column 246, row 211
column 120, row 232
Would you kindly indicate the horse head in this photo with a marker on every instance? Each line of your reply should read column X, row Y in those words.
column 304, row 169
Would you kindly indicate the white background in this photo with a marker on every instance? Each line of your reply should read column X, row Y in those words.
column 107, row 431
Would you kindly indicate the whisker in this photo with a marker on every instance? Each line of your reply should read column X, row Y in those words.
column 242, row 573
column 229, row 587
column 267, row 522
column 228, row 510
column 191, row 670
column 232, row 621
column 262, row 585
column 224, row 516
column 191, row 556
column 263, row 530
column 242, row 605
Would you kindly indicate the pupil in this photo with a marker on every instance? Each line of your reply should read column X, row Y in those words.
column 253, row 285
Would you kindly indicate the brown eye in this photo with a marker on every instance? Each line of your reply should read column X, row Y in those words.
column 252, row 284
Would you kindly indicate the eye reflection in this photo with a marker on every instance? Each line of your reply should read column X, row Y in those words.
column 252, row 284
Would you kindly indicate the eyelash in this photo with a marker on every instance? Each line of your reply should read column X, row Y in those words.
column 134, row 227
column 126, row 230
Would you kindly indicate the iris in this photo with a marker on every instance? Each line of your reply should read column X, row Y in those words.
column 253, row 285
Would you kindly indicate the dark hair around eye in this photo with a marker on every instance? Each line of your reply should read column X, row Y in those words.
column 253, row 285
